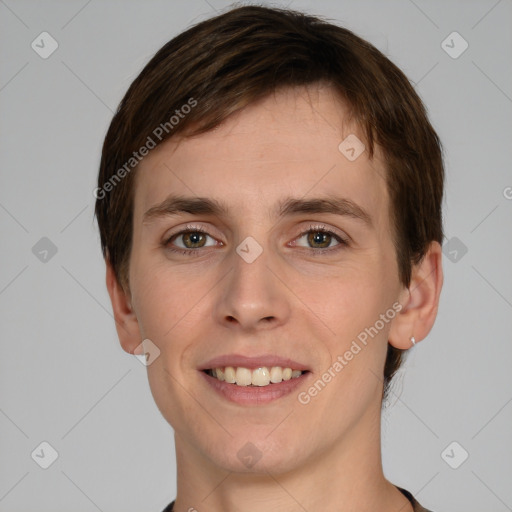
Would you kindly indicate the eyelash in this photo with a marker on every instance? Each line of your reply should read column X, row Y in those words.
column 316, row 228
column 320, row 228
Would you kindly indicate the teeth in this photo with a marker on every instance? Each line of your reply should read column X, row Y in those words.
column 243, row 376
column 262, row 376
column 276, row 374
column 229, row 374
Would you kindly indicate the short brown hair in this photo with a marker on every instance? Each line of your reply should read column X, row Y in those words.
column 224, row 64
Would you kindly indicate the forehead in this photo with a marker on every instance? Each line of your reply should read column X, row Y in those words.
column 285, row 145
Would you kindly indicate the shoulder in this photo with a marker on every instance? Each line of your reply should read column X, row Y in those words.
column 415, row 505
column 169, row 507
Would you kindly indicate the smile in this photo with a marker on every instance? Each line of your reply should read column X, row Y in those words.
column 263, row 376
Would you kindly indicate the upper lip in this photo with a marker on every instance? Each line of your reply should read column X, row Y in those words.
column 252, row 362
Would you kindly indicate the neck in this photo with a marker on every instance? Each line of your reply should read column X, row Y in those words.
column 347, row 476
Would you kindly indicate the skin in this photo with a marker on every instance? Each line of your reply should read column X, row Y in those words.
column 322, row 456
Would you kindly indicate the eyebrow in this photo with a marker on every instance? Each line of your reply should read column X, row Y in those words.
column 177, row 205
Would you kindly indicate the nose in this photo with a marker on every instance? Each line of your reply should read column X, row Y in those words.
column 253, row 295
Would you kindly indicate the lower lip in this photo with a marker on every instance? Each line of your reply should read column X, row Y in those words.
column 254, row 395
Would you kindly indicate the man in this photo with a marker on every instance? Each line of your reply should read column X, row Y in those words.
column 269, row 203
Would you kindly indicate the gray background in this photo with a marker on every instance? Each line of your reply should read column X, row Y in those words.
column 64, row 378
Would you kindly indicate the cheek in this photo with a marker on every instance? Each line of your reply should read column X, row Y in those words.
column 161, row 298
column 169, row 311
column 348, row 299
column 174, row 309
column 350, row 302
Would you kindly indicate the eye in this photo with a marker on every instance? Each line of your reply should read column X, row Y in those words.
column 320, row 237
column 192, row 239
column 185, row 241
column 195, row 237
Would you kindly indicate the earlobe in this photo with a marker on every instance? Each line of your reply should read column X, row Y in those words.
column 127, row 325
column 420, row 301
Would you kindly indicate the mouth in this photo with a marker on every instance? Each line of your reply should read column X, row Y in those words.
column 254, row 386
column 259, row 377
column 253, row 380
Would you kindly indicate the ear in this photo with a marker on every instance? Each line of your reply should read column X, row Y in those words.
column 420, row 301
column 127, row 325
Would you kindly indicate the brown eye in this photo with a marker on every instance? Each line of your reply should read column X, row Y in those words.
column 320, row 239
column 187, row 240
column 193, row 239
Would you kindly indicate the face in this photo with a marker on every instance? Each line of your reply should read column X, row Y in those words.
column 278, row 256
